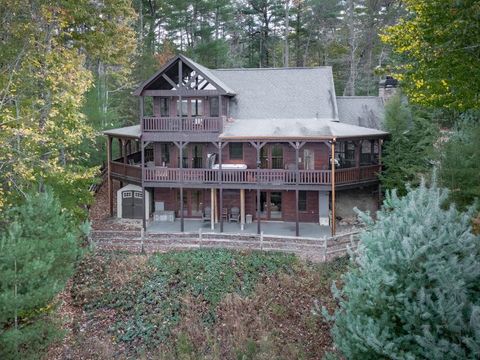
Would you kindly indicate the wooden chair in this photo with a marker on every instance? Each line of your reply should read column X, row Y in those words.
column 225, row 214
column 234, row 215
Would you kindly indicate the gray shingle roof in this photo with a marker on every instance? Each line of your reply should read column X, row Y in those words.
column 281, row 92
column 290, row 129
column 127, row 131
column 366, row 111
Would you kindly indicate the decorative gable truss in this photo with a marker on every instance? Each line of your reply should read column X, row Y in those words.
column 183, row 77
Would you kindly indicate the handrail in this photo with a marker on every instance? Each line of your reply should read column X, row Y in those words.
column 246, row 176
column 182, row 124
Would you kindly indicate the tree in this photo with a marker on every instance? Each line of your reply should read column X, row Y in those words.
column 38, row 249
column 414, row 292
column 460, row 161
column 437, row 42
column 409, row 152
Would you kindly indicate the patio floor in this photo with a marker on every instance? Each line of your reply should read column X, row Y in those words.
column 278, row 228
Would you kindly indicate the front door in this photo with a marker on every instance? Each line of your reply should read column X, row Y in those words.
column 271, row 205
column 192, row 202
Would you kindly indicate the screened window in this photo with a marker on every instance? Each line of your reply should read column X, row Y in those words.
column 236, row 151
column 277, row 157
column 184, row 110
column 302, row 201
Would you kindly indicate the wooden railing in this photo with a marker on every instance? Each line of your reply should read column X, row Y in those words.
column 247, row 176
column 132, row 171
column 178, row 124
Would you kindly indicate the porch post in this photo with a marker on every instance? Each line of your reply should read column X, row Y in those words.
column 297, row 145
column 109, row 174
column 212, row 208
column 144, row 219
column 333, row 186
column 358, row 148
column 242, row 209
column 182, row 225
column 258, row 146
column 220, row 150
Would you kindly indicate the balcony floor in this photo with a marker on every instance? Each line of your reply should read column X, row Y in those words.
column 276, row 228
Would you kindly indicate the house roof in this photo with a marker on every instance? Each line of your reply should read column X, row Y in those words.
column 128, row 132
column 281, row 92
column 290, row 129
column 366, row 111
column 218, row 83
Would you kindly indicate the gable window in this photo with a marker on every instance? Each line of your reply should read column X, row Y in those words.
column 236, row 151
column 302, row 201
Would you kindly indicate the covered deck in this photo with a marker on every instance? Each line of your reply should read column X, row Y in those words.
column 274, row 228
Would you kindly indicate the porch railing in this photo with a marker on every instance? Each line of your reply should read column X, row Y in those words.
column 178, row 124
column 246, row 176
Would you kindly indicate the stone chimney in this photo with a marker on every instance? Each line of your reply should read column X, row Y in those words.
column 387, row 88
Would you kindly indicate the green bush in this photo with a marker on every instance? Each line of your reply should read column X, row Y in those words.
column 414, row 292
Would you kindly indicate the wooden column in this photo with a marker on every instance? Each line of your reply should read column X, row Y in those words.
column 242, row 209
column 220, row 190
column 180, row 147
column 333, row 224
column 258, row 146
column 144, row 218
column 297, row 145
column 216, row 206
column 212, row 208
column 109, row 174
column 358, row 148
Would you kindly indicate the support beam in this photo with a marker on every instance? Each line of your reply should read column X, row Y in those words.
column 109, row 175
column 258, row 146
column 182, row 224
column 220, row 151
column 297, row 145
column 333, row 224
column 212, row 208
column 144, row 219
column 380, row 195
column 242, row 209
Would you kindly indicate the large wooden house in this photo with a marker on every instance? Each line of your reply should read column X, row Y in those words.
column 246, row 145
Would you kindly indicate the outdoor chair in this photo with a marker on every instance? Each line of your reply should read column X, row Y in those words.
column 207, row 214
column 225, row 214
column 234, row 215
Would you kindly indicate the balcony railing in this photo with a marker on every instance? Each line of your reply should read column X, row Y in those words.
column 178, row 124
column 248, row 176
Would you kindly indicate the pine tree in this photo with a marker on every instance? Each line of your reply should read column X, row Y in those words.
column 414, row 292
column 38, row 249
column 409, row 151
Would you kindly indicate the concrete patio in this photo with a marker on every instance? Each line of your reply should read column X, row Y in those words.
column 276, row 228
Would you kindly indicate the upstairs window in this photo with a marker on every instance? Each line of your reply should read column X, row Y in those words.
column 165, row 150
column 236, row 151
column 197, row 107
column 345, row 154
column 164, row 107
column 214, row 108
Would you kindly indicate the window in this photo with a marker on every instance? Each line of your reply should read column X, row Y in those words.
column 164, row 108
column 197, row 107
column 236, row 151
column 277, row 156
column 302, row 201
column 165, row 149
column 214, row 109
column 184, row 108
column 308, row 159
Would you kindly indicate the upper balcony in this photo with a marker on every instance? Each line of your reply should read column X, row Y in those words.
column 199, row 124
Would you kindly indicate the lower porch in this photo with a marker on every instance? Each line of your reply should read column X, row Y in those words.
column 273, row 228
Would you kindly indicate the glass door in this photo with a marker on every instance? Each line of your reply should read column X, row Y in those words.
column 271, row 205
